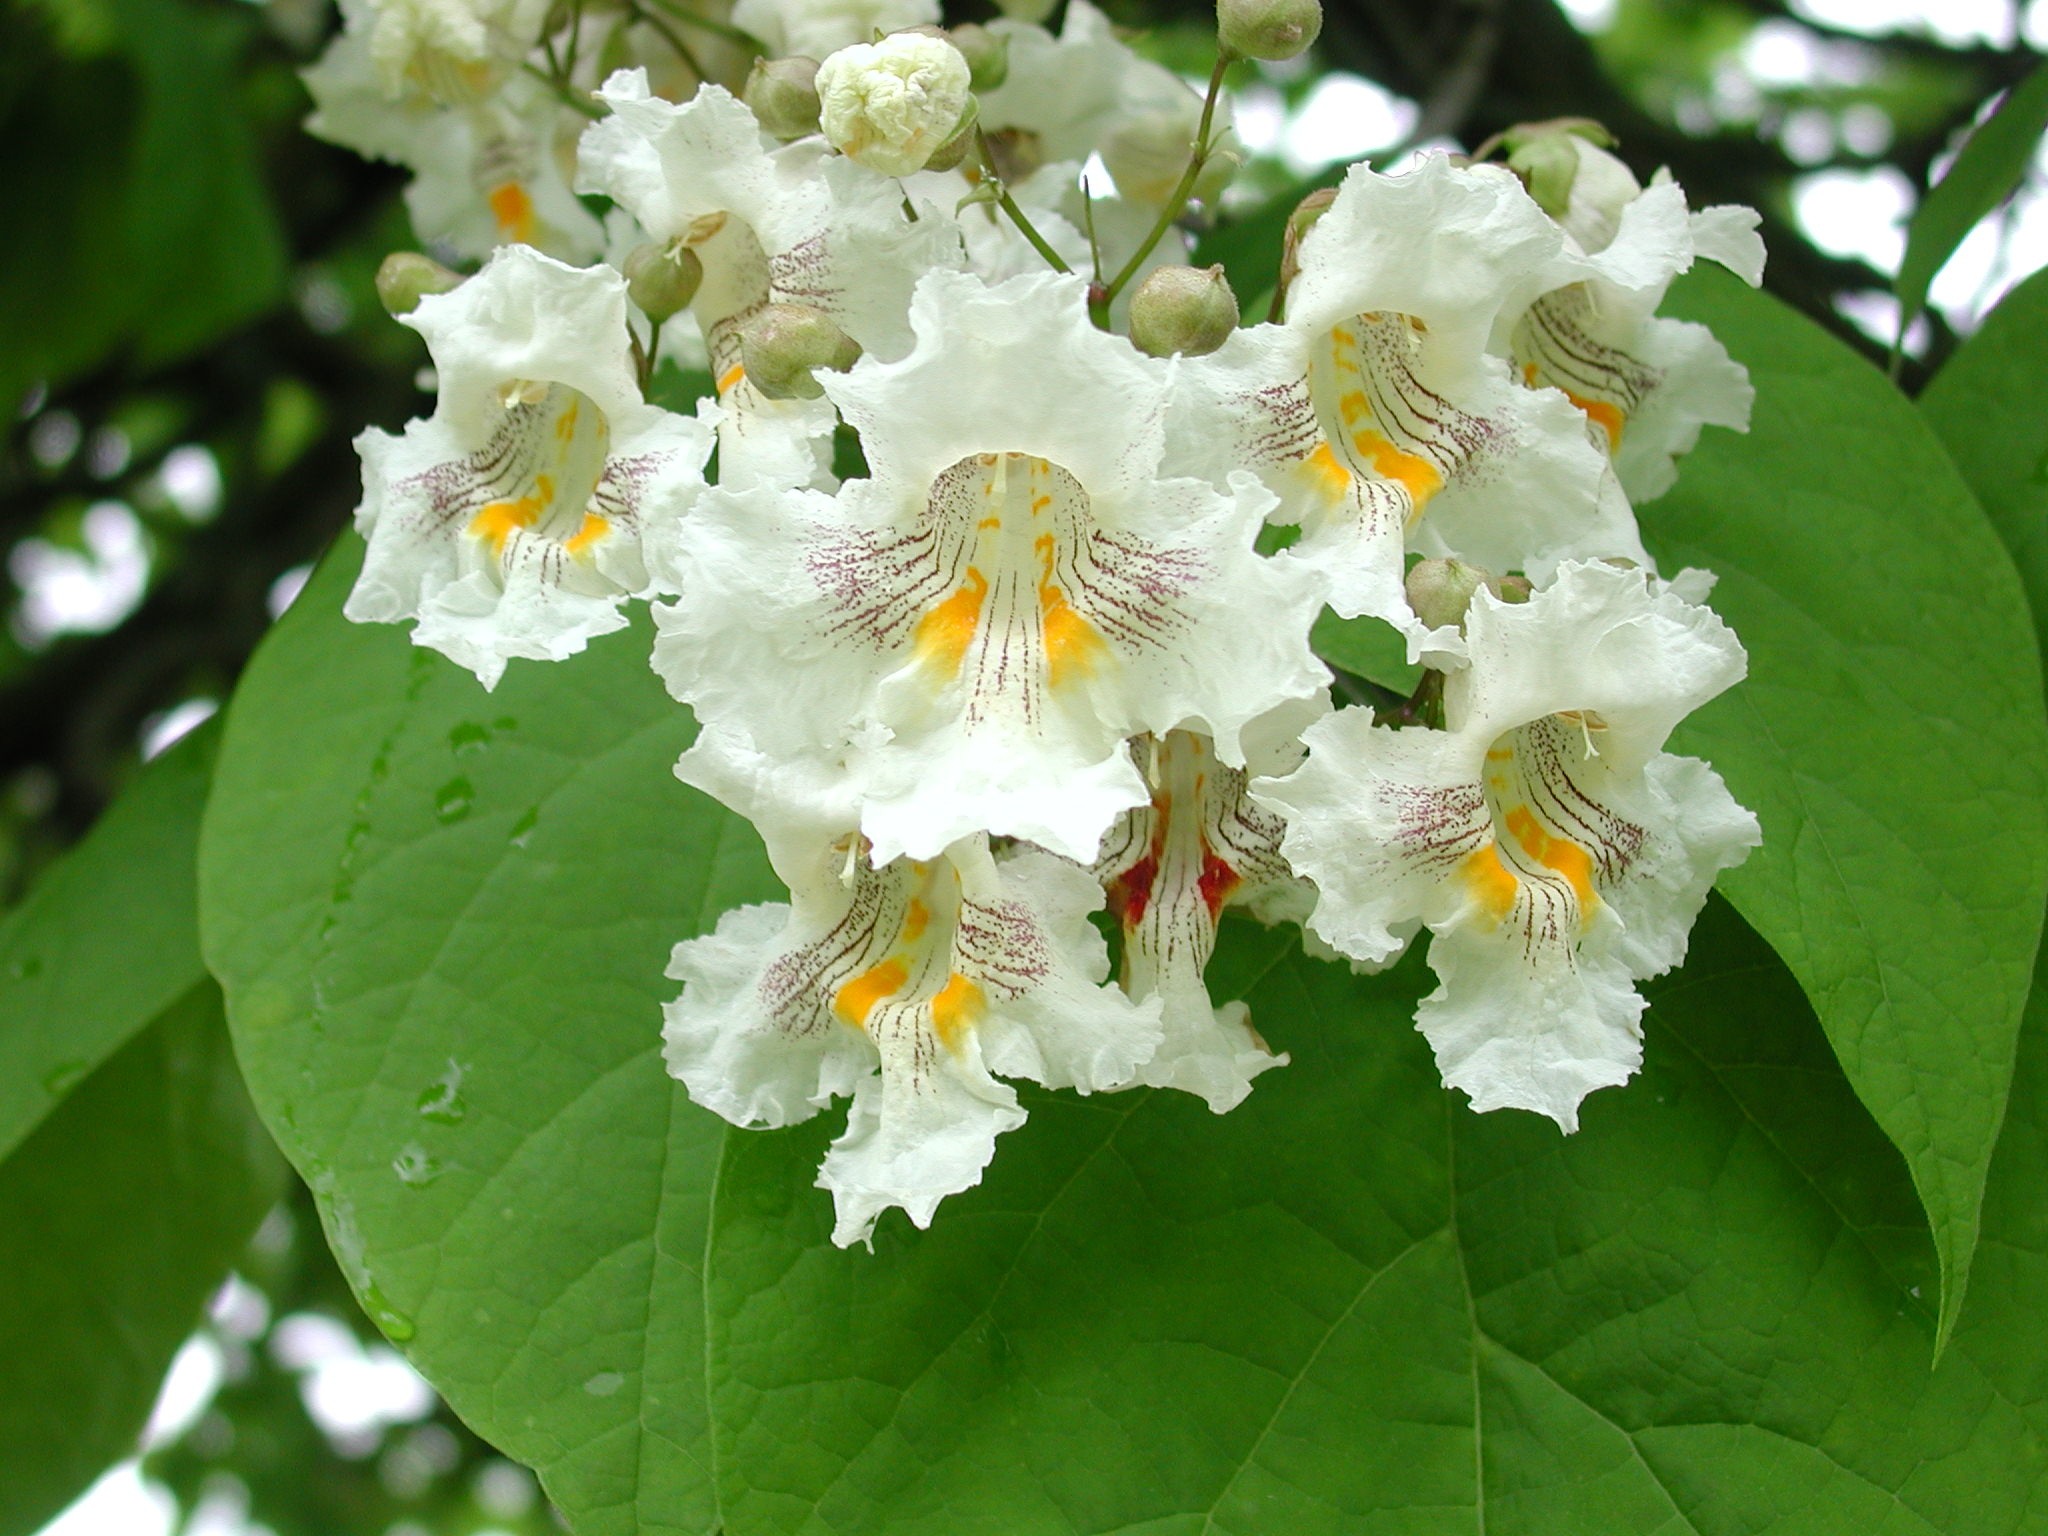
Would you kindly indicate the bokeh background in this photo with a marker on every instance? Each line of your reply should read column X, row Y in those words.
column 189, row 339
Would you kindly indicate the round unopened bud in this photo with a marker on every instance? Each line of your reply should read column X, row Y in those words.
column 1441, row 590
column 1183, row 309
column 1516, row 589
column 987, row 54
column 1268, row 29
column 784, row 96
column 406, row 277
column 888, row 105
column 662, row 279
column 784, row 345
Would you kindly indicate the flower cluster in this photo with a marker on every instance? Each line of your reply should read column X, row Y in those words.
column 1048, row 652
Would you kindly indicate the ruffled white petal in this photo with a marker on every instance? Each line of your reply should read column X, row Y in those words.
column 908, row 986
column 1546, row 840
column 539, row 495
column 975, row 631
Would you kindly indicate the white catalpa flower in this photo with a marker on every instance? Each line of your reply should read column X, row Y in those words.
column 1022, row 584
column 1171, row 866
column 514, row 520
column 486, row 172
column 889, row 105
column 788, row 225
column 1376, row 409
column 912, row 986
column 1554, row 849
column 816, row 29
column 1646, row 385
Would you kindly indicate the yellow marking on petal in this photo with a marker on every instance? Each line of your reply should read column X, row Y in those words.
column 1413, row 473
column 730, row 378
column 565, row 424
column 1072, row 645
column 944, row 633
column 1529, row 372
column 916, row 917
column 499, row 520
column 594, row 528
column 858, row 998
column 1352, row 407
column 1490, row 883
column 513, row 210
column 1342, row 337
column 1561, row 854
column 1325, row 473
column 544, row 486
column 1039, row 504
column 957, row 1007
column 990, row 523
column 1499, row 754
column 1609, row 417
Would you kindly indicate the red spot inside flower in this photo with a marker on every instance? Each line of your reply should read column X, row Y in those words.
column 1217, row 882
column 1131, row 892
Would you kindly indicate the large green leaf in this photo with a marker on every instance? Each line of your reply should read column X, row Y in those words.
column 107, row 939
column 1986, row 171
column 1350, row 1306
column 1986, row 406
column 1889, row 736
column 442, row 917
column 119, row 1215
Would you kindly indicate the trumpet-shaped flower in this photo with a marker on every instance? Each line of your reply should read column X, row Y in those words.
column 1646, row 385
column 487, row 166
column 1023, row 584
column 1376, row 409
column 789, row 225
column 912, row 985
column 1171, row 866
column 1555, row 850
column 515, row 519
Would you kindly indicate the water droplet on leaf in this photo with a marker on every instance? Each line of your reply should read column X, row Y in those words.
column 453, row 799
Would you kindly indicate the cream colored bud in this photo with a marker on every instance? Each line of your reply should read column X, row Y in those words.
column 1147, row 152
column 784, row 96
column 1183, row 309
column 783, row 345
column 662, row 279
column 406, row 277
column 1440, row 591
column 889, row 105
column 1268, row 29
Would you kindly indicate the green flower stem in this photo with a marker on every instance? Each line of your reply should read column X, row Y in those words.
column 1009, row 206
column 1176, row 204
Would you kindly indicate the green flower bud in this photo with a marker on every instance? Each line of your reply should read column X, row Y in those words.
column 1547, row 156
column 783, row 345
column 1268, row 29
column 784, row 96
column 987, row 54
column 961, row 142
column 1516, row 589
column 1441, row 590
column 1183, row 309
column 662, row 279
column 406, row 277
